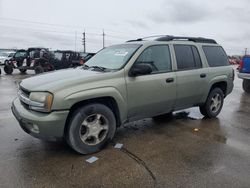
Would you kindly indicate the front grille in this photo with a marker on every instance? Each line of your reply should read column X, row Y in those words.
column 25, row 91
column 25, row 105
column 23, row 95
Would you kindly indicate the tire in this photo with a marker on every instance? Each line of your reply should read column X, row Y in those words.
column 23, row 70
column 39, row 70
column 163, row 117
column 246, row 85
column 213, row 104
column 91, row 128
column 8, row 69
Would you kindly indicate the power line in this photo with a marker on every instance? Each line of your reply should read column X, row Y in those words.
column 60, row 25
column 64, row 32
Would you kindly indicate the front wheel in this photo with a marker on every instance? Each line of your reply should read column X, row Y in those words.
column 23, row 71
column 91, row 127
column 8, row 69
column 213, row 104
column 39, row 70
column 246, row 85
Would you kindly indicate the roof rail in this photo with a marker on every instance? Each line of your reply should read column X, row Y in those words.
column 171, row 38
column 135, row 40
column 194, row 39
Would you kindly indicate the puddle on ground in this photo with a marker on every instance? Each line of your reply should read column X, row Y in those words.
column 186, row 115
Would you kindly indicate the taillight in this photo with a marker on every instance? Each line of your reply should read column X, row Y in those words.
column 233, row 75
column 241, row 64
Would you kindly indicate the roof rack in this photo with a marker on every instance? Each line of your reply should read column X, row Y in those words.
column 194, row 39
column 135, row 40
column 171, row 38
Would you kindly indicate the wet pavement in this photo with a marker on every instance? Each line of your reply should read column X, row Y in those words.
column 185, row 150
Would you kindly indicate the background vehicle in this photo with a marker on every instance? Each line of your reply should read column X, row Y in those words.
column 65, row 58
column 5, row 56
column 85, row 57
column 123, row 83
column 37, row 59
column 244, row 72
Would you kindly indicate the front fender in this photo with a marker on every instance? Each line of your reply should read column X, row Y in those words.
column 80, row 96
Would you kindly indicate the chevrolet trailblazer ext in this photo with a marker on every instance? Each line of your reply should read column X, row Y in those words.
column 126, row 82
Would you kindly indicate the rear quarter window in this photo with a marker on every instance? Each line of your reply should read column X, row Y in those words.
column 216, row 56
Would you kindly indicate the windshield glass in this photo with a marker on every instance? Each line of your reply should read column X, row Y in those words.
column 20, row 54
column 58, row 55
column 113, row 57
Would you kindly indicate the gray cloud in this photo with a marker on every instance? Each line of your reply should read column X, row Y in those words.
column 227, row 21
column 180, row 12
column 138, row 24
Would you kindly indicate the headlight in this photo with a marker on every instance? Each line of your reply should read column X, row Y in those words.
column 41, row 101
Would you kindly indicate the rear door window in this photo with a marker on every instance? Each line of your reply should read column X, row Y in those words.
column 187, row 57
column 216, row 56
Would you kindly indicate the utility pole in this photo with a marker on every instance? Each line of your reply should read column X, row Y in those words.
column 84, row 42
column 103, row 39
column 75, row 39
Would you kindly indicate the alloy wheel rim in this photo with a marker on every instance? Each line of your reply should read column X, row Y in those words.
column 216, row 102
column 94, row 129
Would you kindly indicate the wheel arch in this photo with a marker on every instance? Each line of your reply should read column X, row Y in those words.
column 108, row 101
column 221, row 84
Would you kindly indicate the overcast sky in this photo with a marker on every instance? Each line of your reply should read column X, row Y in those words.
column 57, row 23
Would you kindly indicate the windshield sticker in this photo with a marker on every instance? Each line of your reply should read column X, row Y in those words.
column 121, row 53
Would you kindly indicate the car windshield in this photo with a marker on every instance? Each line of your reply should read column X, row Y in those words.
column 20, row 54
column 58, row 55
column 113, row 57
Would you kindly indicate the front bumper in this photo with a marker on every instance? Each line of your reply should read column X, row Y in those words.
column 244, row 76
column 40, row 125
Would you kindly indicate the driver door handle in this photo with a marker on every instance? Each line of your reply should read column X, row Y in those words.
column 203, row 75
column 169, row 80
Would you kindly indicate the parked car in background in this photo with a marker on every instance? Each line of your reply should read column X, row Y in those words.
column 65, row 59
column 122, row 83
column 244, row 72
column 5, row 56
column 85, row 56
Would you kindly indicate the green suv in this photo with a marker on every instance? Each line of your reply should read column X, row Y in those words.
column 138, row 79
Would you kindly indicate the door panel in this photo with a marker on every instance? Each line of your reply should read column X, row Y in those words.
column 151, row 95
column 191, row 87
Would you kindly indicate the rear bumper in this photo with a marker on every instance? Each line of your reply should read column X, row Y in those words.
column 244, row 75
column 230, row 86
column 40, row 125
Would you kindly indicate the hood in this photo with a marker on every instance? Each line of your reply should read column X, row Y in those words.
column 3, row 57
column 60, row 79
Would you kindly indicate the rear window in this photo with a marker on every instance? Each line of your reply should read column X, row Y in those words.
column 216, row 56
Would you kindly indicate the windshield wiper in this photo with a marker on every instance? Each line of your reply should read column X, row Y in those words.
column 98, row 67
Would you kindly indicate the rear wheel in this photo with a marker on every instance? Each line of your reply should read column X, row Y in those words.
column 8, row 69
column 246, row 85
column 39, row 70
column 213, row 104
column 23, row 70
column 91, row 127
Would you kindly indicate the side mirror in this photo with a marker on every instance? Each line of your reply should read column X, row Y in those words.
column 140, row 69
